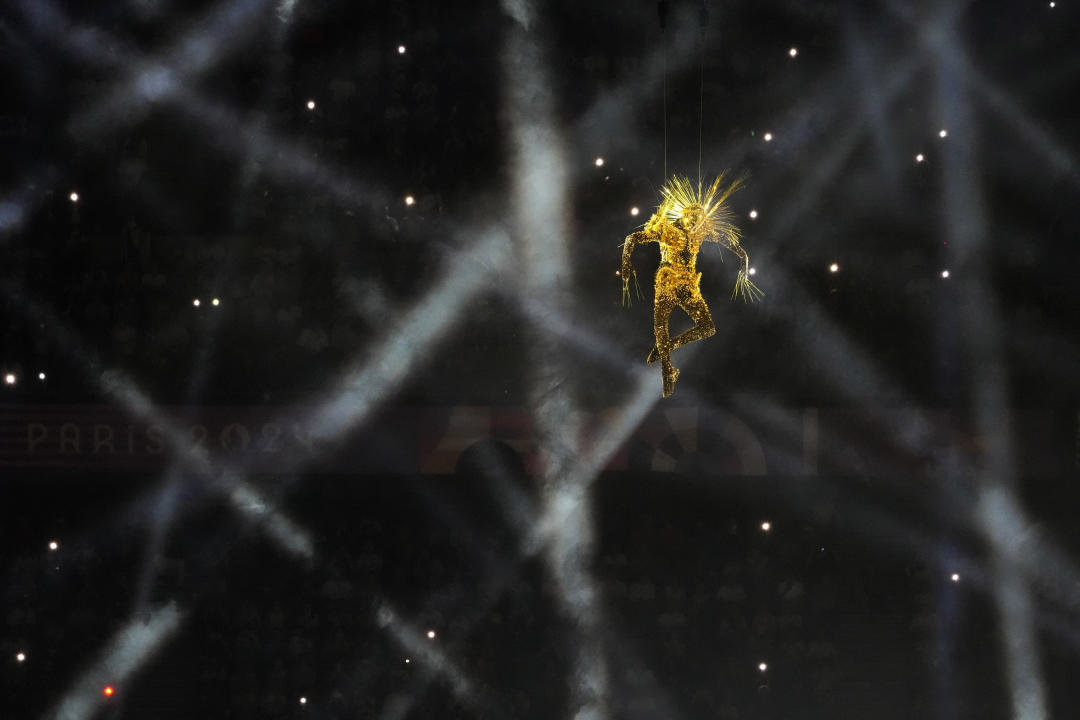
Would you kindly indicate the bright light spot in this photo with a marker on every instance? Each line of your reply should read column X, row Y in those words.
column 634, row 211
column 919, row 157
column 1053, row 4
column 752, row 271
column 945, row 273
column 41, row 376
column 768, row 137
column 20, row 657
column 407, row 661
column 108, row 691
column 753, row 214
column 400, row 49
column 215, row 302
column 196, row 302
column 54, row 545
column 762, row 667
column 431, row 634
column 599, row 162
column 793, row 52
column 303, row 701
column 942, row 133
column 955, row 577
column 766, row 526
column 74, row 197
column 10, row 378
column 410, row 200
column 310, row 104
column 834, row 267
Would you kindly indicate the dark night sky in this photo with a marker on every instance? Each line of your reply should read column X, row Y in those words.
column 263, row 207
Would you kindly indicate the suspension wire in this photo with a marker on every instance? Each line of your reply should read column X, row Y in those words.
column 703, row 18
column 665, row 111
column 701, row 101
column 661, row 10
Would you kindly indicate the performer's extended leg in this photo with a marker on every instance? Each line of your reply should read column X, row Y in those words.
column 704, row 327
column 661, row 313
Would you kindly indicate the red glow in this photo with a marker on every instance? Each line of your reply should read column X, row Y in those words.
column 108, row 691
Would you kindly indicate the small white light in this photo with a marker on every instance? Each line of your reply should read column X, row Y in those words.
column 942, row 133
column 762, row 667
column 310, row 104
column 1052, row 3
column 74, row 197
column 753, row 214
column 303, row 701
column 945, row 274
column 10, row 378
column 20, row 657
column 793, row 52
column 215, row 302
column 431, row 634
column 407, row 661
column 54, row 545
column 955, row 577
column 768, row 137
column 41, row 376
column 634, row 211
column 400, row 49
column 599, row 162
column 834, row 267
column 410, row 200
column 752, row 271
column 920, row 157
column 766, row 526
column 196, row 302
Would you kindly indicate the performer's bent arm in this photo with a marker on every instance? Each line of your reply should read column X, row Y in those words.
column 628, row 248
column 627, row 270
column 735, row 247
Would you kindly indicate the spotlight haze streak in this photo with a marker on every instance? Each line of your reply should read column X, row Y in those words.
column 130, row 648
column 117, row 385
column 419, row 645
column 407, row 342
column 966, row 230
column 541, row 211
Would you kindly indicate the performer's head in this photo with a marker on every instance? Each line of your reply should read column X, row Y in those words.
column 691, row 216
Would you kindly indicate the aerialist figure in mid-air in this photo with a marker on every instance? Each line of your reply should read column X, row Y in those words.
column 686, row 218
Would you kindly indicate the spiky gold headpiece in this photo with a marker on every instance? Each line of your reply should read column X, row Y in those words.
column 679, row 195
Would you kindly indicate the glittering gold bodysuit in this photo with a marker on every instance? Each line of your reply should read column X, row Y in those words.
column 684, row 220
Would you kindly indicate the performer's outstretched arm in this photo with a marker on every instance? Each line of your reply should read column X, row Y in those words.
column 627, row 270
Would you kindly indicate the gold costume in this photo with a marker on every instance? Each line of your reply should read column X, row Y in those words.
column 686, row 218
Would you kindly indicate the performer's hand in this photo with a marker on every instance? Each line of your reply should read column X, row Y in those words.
column 745, row 288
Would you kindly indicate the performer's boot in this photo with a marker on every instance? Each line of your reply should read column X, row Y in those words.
column 671, row 374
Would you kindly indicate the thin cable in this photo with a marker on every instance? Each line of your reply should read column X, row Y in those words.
column 663, row 40
column 662, row 11
column 701, row 98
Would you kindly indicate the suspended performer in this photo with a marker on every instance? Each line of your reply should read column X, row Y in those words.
column 686, row 218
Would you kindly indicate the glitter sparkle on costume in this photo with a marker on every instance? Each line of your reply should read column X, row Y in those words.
column 686, row 217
